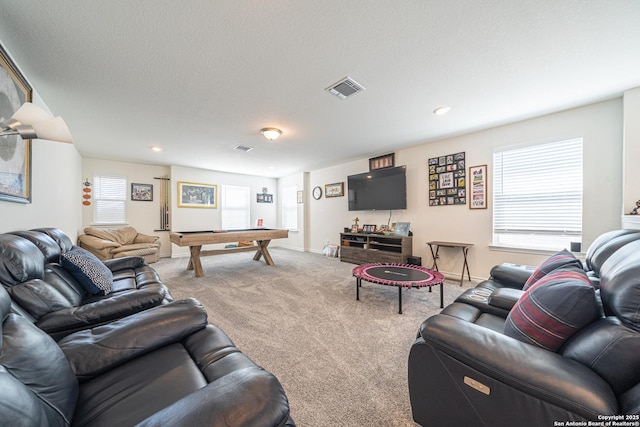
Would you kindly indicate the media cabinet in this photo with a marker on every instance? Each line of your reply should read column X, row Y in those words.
column 365, row 248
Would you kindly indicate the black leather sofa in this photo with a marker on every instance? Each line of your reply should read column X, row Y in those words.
column 46, row 293
column 161, row 367
column 130, row 356
column 466, row 368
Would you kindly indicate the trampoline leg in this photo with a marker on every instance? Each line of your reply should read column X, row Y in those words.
column 357, row 289
column 399, row 299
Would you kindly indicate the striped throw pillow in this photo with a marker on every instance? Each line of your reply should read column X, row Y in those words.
column 553, row 309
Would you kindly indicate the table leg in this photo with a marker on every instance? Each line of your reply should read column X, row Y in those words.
column 263, row 252
column 194, row 261
column 399, row 299
column 435, row 257
column 465, row 265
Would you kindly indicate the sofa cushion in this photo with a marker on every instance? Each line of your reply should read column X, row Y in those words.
column 92, row 274
column 558, row 260
column 553, row 309
column 124, row 235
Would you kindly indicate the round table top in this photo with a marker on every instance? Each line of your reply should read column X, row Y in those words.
column 408, row 275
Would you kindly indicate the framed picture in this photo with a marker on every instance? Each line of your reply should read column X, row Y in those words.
column 195, row 195
column 369, row 228
column 354, row 228
column 384, row 228
column 15, row 162
column 381, row 162
column 402, row 228
column 478, row 187
column 264, row 198
column 142, row 192
column 299, row 196
column 334, row 190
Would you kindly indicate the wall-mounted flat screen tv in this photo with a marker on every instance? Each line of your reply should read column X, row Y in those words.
column 380, row 189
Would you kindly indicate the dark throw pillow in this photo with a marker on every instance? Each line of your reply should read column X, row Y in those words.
column 87, row 269
column 560, row 259
column 553, row 309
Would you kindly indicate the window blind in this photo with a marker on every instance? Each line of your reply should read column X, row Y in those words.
column 538, row 190
column 110, row 196
column 236, row 207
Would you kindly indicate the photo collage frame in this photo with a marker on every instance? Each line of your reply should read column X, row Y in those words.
column 447, row 180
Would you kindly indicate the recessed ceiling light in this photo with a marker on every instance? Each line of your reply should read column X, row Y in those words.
column 440, row 111
column 156, row 148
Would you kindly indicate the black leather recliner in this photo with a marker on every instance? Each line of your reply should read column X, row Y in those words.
column 463, row 357
column 161, row 367
column 49, row 295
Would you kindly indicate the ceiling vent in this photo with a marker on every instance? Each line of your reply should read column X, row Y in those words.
column 345, row 88
column 243, row 148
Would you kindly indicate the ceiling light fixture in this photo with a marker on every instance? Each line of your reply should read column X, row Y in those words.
column 32, row 122
column 156, row 149
column 271, row 133
column 441, row 111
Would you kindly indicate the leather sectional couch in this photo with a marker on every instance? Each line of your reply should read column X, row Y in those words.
column 537, row 346
column 79, row 356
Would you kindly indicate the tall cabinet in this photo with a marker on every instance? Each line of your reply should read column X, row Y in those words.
column 363, row 248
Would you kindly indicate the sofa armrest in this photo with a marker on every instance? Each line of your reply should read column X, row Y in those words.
column 250, row 396
column 519, row 367
column 93, row 351
column 144, row 238
column 505, row 298
column 124, row 263
column 94, row 242
column 510, row 275
column 117, row 305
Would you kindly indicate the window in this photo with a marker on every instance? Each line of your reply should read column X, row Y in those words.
column 236, row 207
column 110, row 198
column 290, row 208
column 537, row 195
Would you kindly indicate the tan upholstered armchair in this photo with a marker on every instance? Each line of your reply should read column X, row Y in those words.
column 108, row 243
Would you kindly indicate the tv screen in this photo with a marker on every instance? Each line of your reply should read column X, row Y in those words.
column 381, row 189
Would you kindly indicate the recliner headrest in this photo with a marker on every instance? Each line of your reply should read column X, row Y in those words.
column 620, row 284
column 49, row 248
column 20, row 260
column 606, row 244
column 59, row 236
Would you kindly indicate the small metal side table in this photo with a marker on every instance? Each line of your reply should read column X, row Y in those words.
column 435, row 247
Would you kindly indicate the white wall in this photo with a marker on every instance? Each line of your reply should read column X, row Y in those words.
column 143, row 216
column 600, row 126
column 55, row 188
column 195, row 219
column 631, row 149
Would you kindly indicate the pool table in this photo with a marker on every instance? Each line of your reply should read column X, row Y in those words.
column 195, row 240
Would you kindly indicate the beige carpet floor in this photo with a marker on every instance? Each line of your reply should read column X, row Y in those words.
column 341, row 362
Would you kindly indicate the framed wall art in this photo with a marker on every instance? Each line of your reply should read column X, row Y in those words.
column 447, row 180
column 381, row 162
column 195, row 195
column 334, row 190
column 142, row 192
column 264, row 198
column 15, row 153
column 478, row 187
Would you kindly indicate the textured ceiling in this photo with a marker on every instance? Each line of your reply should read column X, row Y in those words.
column 199, row 77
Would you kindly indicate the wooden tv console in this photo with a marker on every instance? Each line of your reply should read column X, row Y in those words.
column 365, row 248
